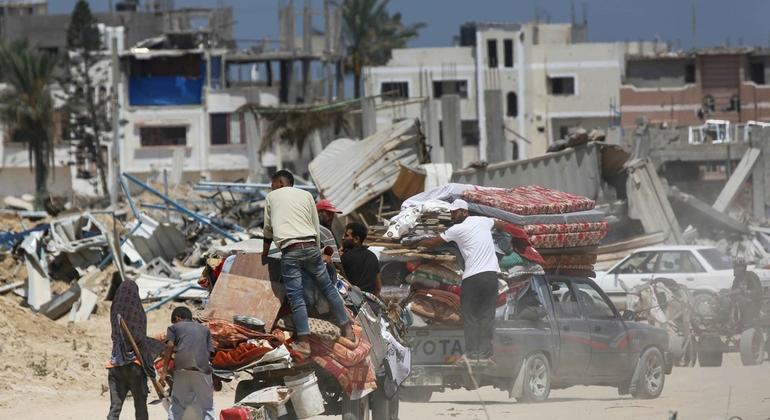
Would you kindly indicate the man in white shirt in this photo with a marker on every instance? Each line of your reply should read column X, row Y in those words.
column 291, row 221
column 473, row 236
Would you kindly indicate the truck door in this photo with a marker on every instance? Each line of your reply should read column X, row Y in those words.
column 609, row 337
column 574, row 335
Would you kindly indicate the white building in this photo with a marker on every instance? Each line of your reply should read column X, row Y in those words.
column 549, row 77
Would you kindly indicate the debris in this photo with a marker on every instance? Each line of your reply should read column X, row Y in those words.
column 18, row 203
column 735, row 184
column 62, row 303
column 239, row 295
column 648, row 203
column 84, row 307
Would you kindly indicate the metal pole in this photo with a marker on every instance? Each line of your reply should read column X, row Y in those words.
column 115, row 151
column 165, row 191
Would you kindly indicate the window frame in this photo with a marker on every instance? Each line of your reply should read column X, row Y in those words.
column 392, row 98
column 515, row 113
column 655, row 254
column 508, row 53
column 586, row 313
column 457, row 81
column 493, row 59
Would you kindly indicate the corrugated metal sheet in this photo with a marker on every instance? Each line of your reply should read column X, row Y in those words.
column 576, row 170
column 350, row 173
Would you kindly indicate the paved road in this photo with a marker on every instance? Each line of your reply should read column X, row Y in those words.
column 696, row 393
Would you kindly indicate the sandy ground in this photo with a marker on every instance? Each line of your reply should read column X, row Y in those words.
column 695, row 393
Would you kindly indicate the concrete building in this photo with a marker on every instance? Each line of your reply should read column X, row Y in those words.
column 539, row 79
column 687, row 89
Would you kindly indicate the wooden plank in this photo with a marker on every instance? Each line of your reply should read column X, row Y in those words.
column 238, row 295
column 736, row 181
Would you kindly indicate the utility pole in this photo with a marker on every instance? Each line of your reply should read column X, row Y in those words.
column 694, row 26
column 115, row 150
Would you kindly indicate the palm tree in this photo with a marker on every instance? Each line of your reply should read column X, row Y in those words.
column 371, row 33
column 26, row 105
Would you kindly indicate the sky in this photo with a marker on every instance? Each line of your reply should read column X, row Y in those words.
column 718, row 22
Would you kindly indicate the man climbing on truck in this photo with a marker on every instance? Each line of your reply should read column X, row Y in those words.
column 473, row 236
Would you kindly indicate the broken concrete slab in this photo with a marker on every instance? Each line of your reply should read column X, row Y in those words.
column 648, row 202
column 18, row 203
column 707, row 214
column 81, row 239
column 38, row 288
column 62, row 303
column 84, row 307
column 159, row 267
column 735, row 184
column 151, row 239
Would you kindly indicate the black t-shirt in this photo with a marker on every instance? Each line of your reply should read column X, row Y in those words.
column 361, row 267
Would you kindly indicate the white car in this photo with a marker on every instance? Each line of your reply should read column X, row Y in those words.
column 700, row 268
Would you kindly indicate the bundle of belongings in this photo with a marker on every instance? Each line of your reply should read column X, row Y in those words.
column 246, row 342
column 563, row 227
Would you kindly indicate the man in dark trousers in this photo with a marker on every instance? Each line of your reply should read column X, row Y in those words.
column 191, row 345
column 361, row 266
column 128, row 371
column 473, row 236
column 291, row 221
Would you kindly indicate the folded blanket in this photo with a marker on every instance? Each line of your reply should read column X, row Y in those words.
column 544, row 229
column 242, row 355
column 532, row 199
column 569, row 260
column 347, row 361
column 228, row 335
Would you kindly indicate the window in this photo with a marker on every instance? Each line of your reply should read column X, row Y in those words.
column 591, row 301
column 678, row 262
column 163, row 136
column 469, row 133
column 508, row 52
column 689, row 73
column 512, row 104
column 564, row 300
column 449, row 87
column 642, row 262
column 393, row 91
column 227, row 129
column 561, row 85
column 757, row 72
column 492, row 53
column 716, row 259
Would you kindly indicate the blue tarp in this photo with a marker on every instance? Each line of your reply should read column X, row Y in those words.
column 9, row 240
column 165, row 90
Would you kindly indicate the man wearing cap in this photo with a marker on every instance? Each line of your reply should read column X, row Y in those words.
column 473, row 236
column 326, row 213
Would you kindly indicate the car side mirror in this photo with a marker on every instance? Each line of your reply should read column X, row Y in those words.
column 628, row 315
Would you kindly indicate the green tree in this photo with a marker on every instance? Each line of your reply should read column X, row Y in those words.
column 26, row 106
column 370, row 33
column 83, row 83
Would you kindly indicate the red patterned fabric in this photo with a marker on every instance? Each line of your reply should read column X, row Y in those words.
column 567, row 240
column 545, row 229
column 347, row 361
column 240, row 356
column 528, row 200
column 227, row 335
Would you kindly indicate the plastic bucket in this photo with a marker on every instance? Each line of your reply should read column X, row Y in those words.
column 306, row 396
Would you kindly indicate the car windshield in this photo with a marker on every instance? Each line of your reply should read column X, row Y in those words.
column 717, row 259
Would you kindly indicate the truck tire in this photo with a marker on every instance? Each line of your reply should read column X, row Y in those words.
column 414, row 394
column 244, row 388
column 752, row 347
column 710, row 351
column 355, row 409
column 649, row 376
column 683, row 350
column 537, row 379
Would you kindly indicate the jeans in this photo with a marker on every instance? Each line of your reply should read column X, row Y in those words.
column 126, row 378
column 307, row 261
column 478, row 300
column 192, row 390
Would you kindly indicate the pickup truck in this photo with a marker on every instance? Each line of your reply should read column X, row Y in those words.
column 701, row 269
column 546, row 339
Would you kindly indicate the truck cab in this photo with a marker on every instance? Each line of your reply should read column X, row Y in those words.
column 554, row 332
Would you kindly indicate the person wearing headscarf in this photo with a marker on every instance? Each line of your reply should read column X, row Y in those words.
column 128, row 371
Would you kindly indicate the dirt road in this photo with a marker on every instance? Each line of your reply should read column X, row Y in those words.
column 696, row 393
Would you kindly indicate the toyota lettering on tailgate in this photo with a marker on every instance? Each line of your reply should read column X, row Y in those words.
column 437, row 347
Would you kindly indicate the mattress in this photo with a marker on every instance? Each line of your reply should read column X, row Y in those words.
column 586, row 216
column 575, row 261
column 528, row 200
column 567, row 240
column 548, row 228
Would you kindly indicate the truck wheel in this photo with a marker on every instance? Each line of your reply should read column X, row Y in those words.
column 650, row 375
column 537, row 379
column 244, row 388
column 414, row 394
column 682, row 350
column 710, row 351
column 355, row 409
column 752, row 347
